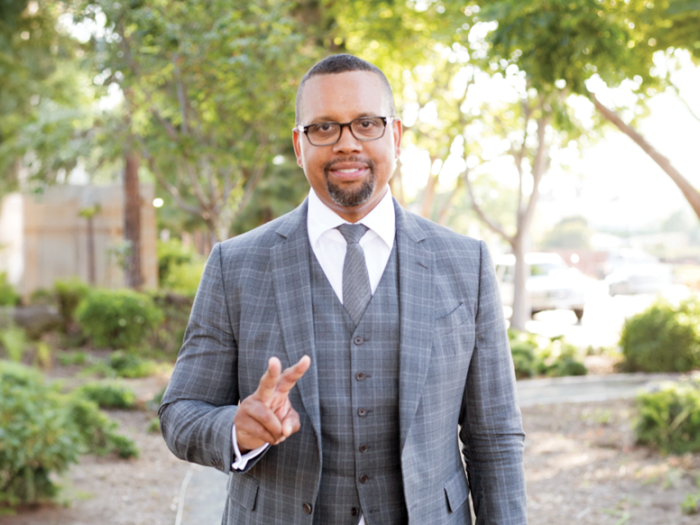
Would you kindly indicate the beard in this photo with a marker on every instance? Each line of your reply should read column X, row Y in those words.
column 350, row 198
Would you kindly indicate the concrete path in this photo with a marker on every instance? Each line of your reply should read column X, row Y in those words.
column 203, row 492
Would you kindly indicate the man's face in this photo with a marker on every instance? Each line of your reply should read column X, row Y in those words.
column 351, row 176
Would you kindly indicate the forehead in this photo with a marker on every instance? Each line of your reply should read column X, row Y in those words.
column 342, row 97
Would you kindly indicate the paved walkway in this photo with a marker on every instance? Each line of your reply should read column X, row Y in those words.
column 203, row 492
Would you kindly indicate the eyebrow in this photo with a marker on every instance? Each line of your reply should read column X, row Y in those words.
column 329, row 119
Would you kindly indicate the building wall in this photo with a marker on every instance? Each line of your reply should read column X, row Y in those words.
column 54, row 236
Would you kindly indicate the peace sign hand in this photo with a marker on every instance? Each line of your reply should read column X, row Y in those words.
column 267, row 415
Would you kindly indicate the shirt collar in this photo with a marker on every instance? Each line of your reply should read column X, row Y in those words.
column 381, row 220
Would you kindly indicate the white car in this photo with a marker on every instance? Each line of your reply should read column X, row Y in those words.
column 552, row 284
column 637, row 272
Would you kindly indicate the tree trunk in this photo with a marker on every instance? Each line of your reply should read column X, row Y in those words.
column 691, row 194
column 132, row 220
column 521, row 299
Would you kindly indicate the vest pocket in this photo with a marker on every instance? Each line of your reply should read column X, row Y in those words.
column 456, row 490
column 243, row 489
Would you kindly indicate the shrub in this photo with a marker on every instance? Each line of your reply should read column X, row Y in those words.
column 662, row 338
column 13, row 340
column 128, row 365
column 72, row 358
column 108, row 394
column 179, row 268
column 184, row 278
column 69, row 293
column 8, row 295
column 168, row 336
column 43, row 431
column 535, row 355
column 117, row 318
column 669, row 418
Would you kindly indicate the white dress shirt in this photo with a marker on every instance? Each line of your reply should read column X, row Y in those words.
column 329, row 247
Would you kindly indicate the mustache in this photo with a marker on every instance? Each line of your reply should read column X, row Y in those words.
column 352, row 158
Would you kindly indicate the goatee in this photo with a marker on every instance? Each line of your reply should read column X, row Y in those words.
column 350, row 198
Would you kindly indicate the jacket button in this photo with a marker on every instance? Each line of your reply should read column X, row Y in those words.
column 364, row 478
column 360, row 376
column 354, row 511
column 308, row 508
column 362, row 412
column 363, row 448
column 358, row 340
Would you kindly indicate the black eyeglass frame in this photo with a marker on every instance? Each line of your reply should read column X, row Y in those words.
column 305, row 129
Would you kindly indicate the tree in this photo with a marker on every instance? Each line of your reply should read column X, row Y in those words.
column 567, row 43
column 209, row 92
column 44, row 96
column 570, row 232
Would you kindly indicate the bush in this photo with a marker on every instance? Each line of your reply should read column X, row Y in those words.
column 168, row 336
column 8, row 295
column 179, row 269
column 662, row 338
column 535, row 355
column 108, row 394
column 172, row 253
column 117, row 318
column 72, row 358
column 69, row 293
column 184, row 278
column 43, row 431
column 122, row 364
column 13, row 341
column 669, row 418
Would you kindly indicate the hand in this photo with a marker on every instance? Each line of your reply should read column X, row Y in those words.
column 267, row 416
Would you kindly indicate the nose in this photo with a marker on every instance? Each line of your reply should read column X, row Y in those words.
column 347, row 143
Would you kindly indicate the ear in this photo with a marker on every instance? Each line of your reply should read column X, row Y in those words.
column 296, row 139
column 398, row 132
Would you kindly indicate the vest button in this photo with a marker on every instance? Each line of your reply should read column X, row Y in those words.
column 308, row 508
column 360, row 376
column 364, row 478
column 358, row 340
column 354, row 511
column 363, row 448
column 362, row 412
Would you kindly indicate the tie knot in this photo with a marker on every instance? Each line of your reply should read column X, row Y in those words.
column 352, row 232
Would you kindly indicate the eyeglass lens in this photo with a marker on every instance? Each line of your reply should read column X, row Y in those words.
column 326, row 133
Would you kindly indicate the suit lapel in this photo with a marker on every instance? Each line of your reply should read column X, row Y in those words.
column 417, row 313
column 292, row 285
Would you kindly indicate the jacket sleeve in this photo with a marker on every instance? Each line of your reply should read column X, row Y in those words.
column 199, row 405
column 491, row 427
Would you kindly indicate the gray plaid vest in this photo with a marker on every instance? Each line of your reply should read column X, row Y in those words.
column 358, row 371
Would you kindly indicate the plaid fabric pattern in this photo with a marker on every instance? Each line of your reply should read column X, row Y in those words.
column 455, row 370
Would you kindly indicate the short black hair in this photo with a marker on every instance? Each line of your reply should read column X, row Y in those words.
column 341, row 64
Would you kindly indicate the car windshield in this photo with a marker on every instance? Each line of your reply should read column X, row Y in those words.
column 547, row 268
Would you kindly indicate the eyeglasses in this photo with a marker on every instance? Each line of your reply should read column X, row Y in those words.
column 363, row 129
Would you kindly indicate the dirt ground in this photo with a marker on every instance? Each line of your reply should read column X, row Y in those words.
column 581, row 464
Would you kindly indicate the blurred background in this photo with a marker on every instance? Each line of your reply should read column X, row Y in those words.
column 136, row 134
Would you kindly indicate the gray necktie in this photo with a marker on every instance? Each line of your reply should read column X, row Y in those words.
column 356, row 288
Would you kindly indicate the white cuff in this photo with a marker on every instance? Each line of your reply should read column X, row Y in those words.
column 242, row 460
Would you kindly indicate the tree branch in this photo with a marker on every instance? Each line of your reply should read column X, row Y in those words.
column 491, row 224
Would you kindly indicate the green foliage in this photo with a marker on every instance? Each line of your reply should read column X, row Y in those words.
column 117, row 318
column 8, row 295
column 662, row 338
column 691, row 504
column 14, row 342
column 168, row 336
column 669, row 418
column 535, row 355
column 108, row 394
column 72, row 358
column 172, row 253
column 69, row 293
column 184, row 278
column 43, row 431
column 570, row 232
column 153, row 426
column 129, row 365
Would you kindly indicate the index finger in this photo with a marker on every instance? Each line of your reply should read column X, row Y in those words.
column 269, row 380
column 292, row 374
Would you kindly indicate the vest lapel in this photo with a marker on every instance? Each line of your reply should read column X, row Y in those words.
column 417, row 315
column 290, row 265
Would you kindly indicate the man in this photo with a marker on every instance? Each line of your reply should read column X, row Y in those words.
column 390, row 331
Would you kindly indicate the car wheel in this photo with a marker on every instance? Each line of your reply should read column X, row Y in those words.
column 579, row 313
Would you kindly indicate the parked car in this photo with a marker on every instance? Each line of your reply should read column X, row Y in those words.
column 635, row 271
column 551, row 285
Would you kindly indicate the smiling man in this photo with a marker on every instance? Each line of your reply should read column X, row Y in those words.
column 334, row 355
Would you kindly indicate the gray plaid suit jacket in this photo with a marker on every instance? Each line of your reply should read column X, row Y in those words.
column 254, row 302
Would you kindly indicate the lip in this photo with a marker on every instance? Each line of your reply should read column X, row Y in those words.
column 351, row 171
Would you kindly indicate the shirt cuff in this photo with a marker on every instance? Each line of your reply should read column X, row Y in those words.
column 242, row 460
